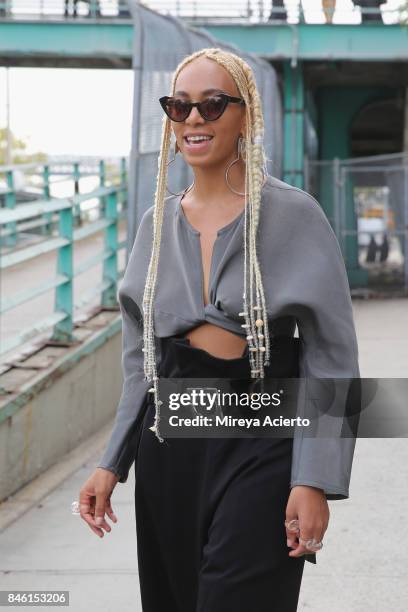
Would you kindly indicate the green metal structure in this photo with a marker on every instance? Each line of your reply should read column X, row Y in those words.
column 329, row 73
column 66, row 215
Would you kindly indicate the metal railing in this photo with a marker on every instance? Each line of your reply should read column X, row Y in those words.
column 266, row 11
column 59, row 223
column 210, row 11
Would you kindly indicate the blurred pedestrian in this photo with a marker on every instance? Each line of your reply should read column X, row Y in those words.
column 278, row 10
column 370, row 4
column 329, row 6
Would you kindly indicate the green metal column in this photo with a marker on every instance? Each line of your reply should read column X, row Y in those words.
column 10, row 201
column 337, row 109
column 293, row 124
column 47, row 227
column 63, row 330
column 110, row 266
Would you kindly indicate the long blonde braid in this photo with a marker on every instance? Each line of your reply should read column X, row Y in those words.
column 254, row 305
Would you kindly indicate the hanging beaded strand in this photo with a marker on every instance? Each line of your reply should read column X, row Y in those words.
column 255, row 314
column 148, row 298
column 247, row 312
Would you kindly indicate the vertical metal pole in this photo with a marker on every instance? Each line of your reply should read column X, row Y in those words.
column 102, row 182
column 10, row 201
column 64, row 292
column 123, row 183
column 47, row 227
column 110, row 265
column 293, row 124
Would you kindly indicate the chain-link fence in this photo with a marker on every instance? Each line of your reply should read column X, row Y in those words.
column 366, row 201
column 160, row 43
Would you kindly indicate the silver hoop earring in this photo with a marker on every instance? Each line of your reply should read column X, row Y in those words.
column 168, row 164
column 241, row 149
column 186, row 190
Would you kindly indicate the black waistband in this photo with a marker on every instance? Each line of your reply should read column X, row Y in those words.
column 180, row 359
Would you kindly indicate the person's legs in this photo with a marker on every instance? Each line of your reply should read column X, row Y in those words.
column 245, row 563
column 210, row 512
column 168, row 503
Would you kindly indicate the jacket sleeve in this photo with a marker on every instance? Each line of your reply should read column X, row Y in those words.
column 123, row 443
column 328, row 350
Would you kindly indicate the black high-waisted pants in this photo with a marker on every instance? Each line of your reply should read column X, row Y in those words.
column 210, row 512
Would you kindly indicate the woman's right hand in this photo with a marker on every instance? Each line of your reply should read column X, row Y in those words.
column 94, row 500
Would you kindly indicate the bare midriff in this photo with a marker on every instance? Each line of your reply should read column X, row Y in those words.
column 217, row 341
column 214, row 339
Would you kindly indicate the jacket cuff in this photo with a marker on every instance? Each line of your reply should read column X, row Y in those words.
column 330, row 491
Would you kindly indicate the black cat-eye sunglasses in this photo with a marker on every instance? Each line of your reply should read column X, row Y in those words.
column 210, row 108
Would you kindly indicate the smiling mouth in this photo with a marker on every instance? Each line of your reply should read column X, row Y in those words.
column 197, row 139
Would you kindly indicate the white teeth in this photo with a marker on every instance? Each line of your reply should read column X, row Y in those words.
column 197, row 138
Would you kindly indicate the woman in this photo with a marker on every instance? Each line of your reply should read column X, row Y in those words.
column 222, row 280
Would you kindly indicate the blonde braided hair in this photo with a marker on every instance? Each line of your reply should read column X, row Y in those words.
column 254, row 306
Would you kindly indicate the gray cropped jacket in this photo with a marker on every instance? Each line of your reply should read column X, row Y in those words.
column 305, row 284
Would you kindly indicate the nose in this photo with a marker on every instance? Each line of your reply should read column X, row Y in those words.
column 194, row 117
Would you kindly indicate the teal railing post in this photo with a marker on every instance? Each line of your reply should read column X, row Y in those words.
column 47, row 227
column 123, row 171
column 102, row 182
column 10, row 202
column 123, row 182
column 110, row 265
column 77, row 208
column 64, row 293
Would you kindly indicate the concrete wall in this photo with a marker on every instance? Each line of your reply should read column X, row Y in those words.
column 78, row 395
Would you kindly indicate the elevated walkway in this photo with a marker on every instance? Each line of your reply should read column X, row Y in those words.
column 102, row 36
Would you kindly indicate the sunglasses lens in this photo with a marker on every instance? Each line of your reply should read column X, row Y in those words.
column 177, row 110
column 213, row 108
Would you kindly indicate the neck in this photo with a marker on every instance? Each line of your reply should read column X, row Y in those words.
column 210, row 185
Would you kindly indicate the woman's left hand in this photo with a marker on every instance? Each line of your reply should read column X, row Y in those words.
column 309, row 505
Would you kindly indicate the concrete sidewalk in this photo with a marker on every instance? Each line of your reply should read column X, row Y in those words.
column 48, row 548
column 363, row 566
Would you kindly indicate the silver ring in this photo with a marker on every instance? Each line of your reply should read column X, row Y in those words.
column 75, row 507
column 292, row 525
column 311, row 544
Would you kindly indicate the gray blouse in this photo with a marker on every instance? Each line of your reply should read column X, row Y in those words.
column 305, row 284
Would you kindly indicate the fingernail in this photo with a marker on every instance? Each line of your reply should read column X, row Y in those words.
column 115, row 518
column 288, row 543
column 98, row 520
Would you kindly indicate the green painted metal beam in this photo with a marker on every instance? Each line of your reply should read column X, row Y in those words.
column 317, row 42
column 109, row 44
column 66, row 44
